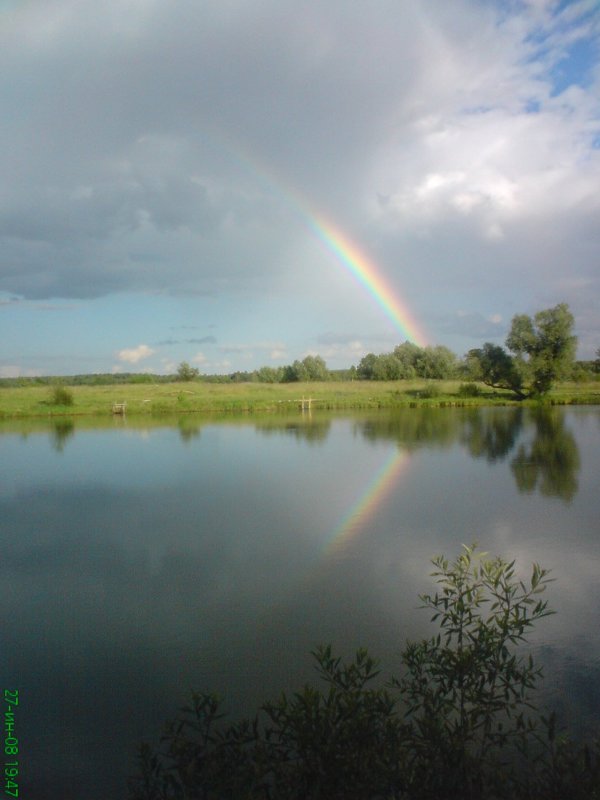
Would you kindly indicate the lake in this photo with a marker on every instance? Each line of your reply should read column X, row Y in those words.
column 141, row 559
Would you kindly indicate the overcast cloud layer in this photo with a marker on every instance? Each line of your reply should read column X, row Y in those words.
column 158, row 161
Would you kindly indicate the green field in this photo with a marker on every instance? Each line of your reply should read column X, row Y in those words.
column 243, row 398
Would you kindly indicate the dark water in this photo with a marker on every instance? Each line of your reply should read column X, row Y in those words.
column 140, row 562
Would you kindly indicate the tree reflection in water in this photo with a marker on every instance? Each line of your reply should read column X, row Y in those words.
column 551, row 461
column 493, row 436
column 546, row 456
column 61, row 431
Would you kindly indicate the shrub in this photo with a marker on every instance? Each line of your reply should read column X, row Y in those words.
column 61, row 396
column 469, row 390
column 453, row 726
column 430, row 390
column 466, row 688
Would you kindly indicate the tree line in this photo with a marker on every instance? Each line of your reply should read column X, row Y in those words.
column 540, row 351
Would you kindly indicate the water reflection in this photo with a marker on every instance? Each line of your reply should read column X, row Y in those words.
column 551, row 461
column 304, row 427
column 493, row 436
column 188, row 430
column 414, row 428
column 545, row 453
column 62, row 431
column 151, row 557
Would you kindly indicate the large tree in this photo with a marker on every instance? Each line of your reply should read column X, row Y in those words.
column 543, row 347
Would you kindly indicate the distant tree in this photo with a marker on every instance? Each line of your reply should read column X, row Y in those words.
column 384, row 367
column 366, row 367
column 315, row 368
column 242, row 377
column 269, row 374
column 409, row 361
column 311, row 368
column 387, row 368
column 185, row 372
column 292, row 372
column 543, row 347
column 348, row 374
column 583, row 371
column 407, row 354
column 435, row 363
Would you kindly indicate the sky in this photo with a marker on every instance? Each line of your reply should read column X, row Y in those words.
column 240, row 183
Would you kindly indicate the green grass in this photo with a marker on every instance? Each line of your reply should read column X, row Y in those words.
column 244, row 398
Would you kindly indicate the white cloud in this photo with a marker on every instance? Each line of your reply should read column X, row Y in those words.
column 169, row 367
column 484, row 151
column 135, row 354
column 347, row 353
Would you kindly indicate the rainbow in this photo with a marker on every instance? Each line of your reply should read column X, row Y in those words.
column 355, row 261
column 374, row 494
column 366, row 272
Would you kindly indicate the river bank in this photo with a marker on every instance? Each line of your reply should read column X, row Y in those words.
column 200, row 397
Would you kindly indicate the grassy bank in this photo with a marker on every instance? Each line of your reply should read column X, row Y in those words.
column 177, row 398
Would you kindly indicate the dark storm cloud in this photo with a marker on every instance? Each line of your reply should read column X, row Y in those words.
column 123, row 125
column 180, row 147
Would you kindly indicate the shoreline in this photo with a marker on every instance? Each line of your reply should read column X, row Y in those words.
column 145, row 400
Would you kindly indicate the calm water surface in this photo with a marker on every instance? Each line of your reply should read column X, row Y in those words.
column 140, row 562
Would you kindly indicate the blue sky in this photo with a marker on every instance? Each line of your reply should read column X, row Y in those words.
column 153, row 156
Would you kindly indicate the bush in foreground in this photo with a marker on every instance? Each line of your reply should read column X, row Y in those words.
column 458, row 723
